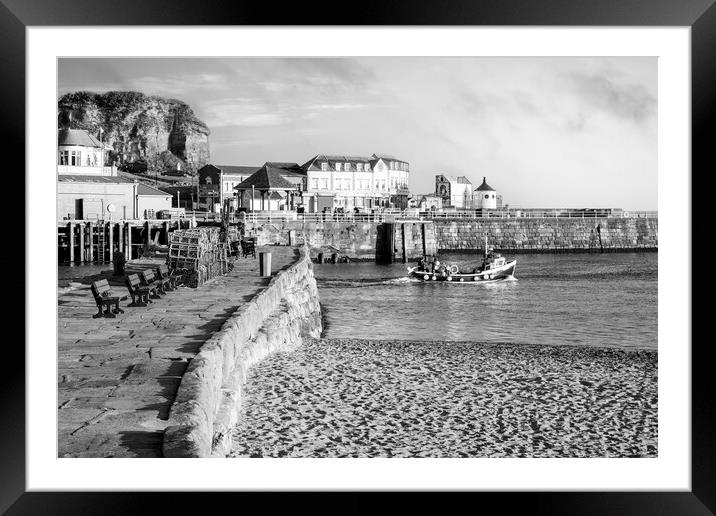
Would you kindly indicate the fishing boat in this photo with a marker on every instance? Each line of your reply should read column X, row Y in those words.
column 494, row 267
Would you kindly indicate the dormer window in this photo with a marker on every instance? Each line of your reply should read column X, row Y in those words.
column 338, row 167
column 324, row 166
column 347, row 167
column 359, row 167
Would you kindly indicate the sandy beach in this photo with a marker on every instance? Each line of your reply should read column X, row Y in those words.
column 359, row 398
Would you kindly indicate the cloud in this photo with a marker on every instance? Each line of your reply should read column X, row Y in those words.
column 627, row 101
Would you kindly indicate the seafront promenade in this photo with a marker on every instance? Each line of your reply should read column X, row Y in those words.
column 117, row 378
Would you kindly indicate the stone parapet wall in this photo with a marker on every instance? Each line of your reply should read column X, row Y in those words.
column 209, row 398
column 357, row 240
column 548, row 234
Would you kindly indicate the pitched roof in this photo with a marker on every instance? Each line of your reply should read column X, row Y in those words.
column 143, row 189
column 293, row 167
column 333, row 159
column 238, row 170
column 82, row 178
column 266, row 178
column 464, row 180
column 484, row 187
column 78, row 137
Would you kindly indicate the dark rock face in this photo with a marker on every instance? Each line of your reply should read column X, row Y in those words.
column 162, row 132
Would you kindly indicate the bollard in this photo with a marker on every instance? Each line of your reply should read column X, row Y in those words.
column 292, row 237
column 119, row 263
column 264, row 264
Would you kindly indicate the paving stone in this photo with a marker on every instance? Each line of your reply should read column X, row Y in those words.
column 118, row 377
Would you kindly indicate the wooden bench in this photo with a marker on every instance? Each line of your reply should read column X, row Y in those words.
column 104, row 297
column 164, row 273
column 150, row 280
column 138, row 291
column 248, row 247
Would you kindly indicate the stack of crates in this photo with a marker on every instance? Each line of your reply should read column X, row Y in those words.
column 199, row 254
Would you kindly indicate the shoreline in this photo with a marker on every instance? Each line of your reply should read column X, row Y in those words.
column 373, row 398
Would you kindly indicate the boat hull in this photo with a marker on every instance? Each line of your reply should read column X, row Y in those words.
column 501, row 273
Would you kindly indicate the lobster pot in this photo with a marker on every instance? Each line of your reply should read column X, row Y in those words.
column 199, row 253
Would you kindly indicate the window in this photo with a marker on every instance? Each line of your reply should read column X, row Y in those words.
column 493, row 196
column 75, row 158
column 487, row 196
column 367, row 167
column 324, row 184
column 324, row 166
column 314, row 184
column 347, row 166
column 359, row 167
column 338, row 167
column 64, row 157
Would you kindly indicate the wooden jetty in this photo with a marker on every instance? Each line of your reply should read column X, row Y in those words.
column 96, row 241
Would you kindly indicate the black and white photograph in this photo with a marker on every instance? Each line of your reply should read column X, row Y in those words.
column 357, row 257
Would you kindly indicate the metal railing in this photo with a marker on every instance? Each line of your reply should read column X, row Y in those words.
column 538, row 213
column 379, row 217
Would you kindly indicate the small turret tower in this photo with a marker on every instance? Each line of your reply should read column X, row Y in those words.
column 485, row 196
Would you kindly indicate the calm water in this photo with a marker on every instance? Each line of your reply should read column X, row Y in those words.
column 583, row 299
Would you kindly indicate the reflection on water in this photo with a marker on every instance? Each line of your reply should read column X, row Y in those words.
column 584, row 299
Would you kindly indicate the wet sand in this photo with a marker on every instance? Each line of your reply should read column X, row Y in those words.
column 359, row 398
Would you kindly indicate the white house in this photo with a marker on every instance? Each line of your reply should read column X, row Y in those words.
column 80, row 153
column 350, row 182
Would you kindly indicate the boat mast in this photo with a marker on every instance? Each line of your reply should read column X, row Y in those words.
column 485, row 244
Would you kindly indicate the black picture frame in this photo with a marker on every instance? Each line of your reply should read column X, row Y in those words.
column 699, row 15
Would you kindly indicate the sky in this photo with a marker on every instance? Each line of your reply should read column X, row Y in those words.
column 546, row 132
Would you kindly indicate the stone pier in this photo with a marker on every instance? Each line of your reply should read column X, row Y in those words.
column 117, row 378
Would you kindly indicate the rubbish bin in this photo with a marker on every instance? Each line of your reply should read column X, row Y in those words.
column 264, row 264
column 119, row 263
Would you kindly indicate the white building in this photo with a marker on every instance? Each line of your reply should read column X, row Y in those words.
column 485, row 197
column 80, row 153
column 88, row 189
column 456, row 192
column 350, row 182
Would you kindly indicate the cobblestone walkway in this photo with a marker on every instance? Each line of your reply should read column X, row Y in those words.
column 117, row 378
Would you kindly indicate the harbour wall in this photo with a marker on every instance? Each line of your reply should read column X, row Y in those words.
column 357, row 240
column 549, row 234
column 409, row 240
column 208, row 400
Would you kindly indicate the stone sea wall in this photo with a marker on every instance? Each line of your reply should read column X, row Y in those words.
column 209, row 398
column 548, row 234
column 410, row 239
column 357, row 240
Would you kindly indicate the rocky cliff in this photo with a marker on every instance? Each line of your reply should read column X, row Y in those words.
column 162, row 132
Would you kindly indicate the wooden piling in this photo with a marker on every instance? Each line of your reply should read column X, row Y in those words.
column 166, row 232
column 148, row 235
column 129, row 241
column 422, row 232
column 82, row 243
column 405, row 252
column 71, row 227
column 110, row 230
column 120, row 246
column 90, row 236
